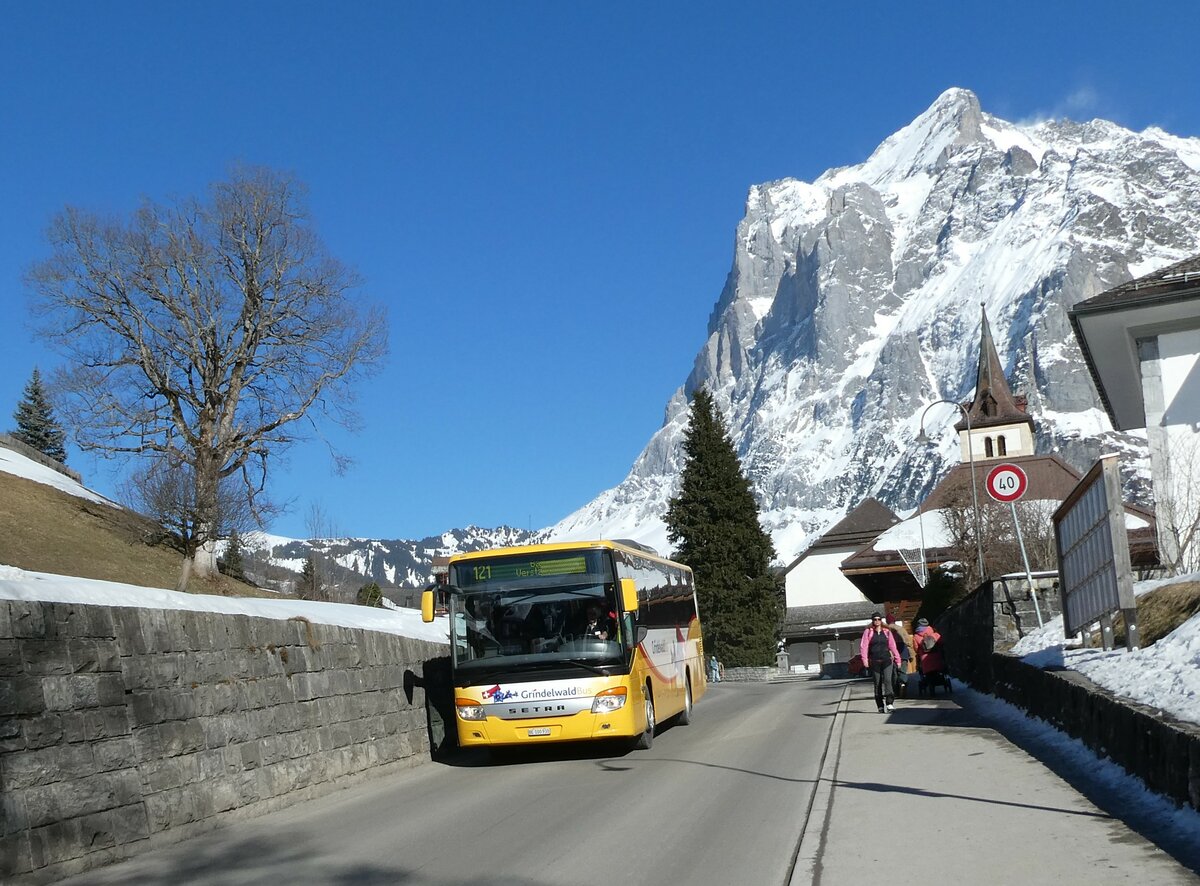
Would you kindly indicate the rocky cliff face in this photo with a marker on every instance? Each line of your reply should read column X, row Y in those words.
column 854, row 301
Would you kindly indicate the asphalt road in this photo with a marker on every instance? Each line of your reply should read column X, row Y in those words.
column 721, row 801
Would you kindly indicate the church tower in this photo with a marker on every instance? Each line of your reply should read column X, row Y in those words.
column 1000, row 428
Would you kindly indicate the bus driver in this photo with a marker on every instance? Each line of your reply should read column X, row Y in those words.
column 599, row 626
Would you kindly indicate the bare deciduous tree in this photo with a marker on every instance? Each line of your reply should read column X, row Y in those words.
column 203, row 332
column 167, row 493
column 1177, row 506
column 318, row 583
column 1001, row 549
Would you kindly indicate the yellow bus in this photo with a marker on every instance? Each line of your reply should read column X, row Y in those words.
column 570, row 642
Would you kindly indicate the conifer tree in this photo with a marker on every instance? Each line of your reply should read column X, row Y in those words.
column 36, row 424
column 233, row 556
column 370, row 595
column 714, row 527
column 309, row 587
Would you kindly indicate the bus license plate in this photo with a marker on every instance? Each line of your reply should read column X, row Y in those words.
column 541, row 730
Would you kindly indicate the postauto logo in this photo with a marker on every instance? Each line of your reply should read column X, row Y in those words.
column 496, row 694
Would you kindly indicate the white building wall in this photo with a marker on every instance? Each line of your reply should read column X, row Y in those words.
column 1179, row 353
column 1170, row 370
column 816, row 580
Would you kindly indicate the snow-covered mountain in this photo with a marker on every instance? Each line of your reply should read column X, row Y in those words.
column 390, row 562
column 854, row 301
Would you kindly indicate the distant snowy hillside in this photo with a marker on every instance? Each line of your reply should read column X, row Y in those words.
column 854, row 301
column 390, row 562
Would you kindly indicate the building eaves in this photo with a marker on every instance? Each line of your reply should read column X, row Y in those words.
column 799, row 619
column 1174, row 282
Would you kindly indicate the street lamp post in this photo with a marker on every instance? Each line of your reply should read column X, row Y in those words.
column 923, row 438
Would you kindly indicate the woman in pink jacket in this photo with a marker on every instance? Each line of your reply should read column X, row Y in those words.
column 879, row 653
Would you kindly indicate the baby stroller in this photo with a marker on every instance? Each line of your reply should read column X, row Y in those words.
column 930, row 681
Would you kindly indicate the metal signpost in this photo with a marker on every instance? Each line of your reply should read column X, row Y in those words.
column 1007, row 483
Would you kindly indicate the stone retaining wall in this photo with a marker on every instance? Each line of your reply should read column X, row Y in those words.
column 978, row 632
column 123, row 729
column 749, row 675
column 40, row 457
column 992, row 619
column 1160, row 750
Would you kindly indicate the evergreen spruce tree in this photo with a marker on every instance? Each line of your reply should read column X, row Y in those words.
column 370, row 595
column 233, row 556
column 309, row 587
column 36, row 424
column 713, row 524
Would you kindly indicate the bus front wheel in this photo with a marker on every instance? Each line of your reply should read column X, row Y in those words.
column 647, row 738
column 685, row 716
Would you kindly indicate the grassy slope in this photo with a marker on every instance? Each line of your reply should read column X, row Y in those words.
column 45, row 530
column 1161, row 611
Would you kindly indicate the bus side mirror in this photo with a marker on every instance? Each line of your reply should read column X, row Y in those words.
column 629, row 598
column 427, row 606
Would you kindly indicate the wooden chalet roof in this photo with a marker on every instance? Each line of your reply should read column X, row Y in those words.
column 801, row 621
column 857, row 528
column 1049, row 477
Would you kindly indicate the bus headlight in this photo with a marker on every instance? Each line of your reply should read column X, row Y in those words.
column 469, row 710
column 609, row 700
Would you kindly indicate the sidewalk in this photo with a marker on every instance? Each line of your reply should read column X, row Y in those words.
column 931, row 793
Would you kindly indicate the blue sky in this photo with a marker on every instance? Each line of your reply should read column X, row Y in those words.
column 544, row 195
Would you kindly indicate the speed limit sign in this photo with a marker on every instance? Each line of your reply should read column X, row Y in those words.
column 1006, row 483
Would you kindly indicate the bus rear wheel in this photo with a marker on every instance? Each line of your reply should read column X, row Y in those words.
column 646, row 739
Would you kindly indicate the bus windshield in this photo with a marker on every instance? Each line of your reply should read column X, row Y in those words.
column 552, row 610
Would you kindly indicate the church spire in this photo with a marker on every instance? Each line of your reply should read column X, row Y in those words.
column 998, row 420
column 994, row 403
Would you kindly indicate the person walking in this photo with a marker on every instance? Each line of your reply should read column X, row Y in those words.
column 928, row 644
column 878, row 650
column 931, row 658
column 714, row 670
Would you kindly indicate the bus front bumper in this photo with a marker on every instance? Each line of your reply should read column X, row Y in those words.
column 583, row 726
